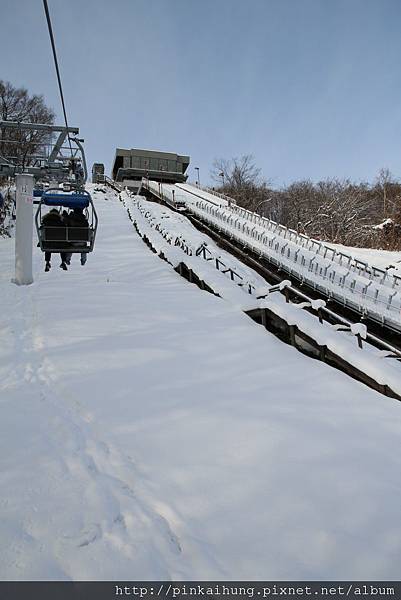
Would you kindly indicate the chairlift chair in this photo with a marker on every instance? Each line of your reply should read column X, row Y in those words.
column 65, row 238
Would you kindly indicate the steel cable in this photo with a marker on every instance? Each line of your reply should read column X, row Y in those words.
column 49, row 25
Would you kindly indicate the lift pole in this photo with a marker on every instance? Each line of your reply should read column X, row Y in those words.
column 24, row 229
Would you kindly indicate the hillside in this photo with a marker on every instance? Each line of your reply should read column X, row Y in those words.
column 150, row 430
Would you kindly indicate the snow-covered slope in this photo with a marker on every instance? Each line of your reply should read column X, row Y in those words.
column 151, row 430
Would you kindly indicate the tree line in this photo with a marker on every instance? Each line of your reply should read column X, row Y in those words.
column 334, row 210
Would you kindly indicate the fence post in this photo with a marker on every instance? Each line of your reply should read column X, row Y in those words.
column 291, row 333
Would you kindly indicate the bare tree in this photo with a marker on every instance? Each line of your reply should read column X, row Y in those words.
column 238, row 172
column 297, row 203
column 17, row 105
column 240, row 179
column 388, row 191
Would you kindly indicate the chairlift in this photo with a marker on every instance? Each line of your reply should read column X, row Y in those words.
column 60, row 238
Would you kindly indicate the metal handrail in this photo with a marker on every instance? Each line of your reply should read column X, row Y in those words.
column 307, row 302
column 368, row 303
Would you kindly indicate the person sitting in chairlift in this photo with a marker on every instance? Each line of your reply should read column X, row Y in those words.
column 54, row 219
column 76, row 218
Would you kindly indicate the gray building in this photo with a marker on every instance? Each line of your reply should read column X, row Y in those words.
column 130, row 166
column 97, row 172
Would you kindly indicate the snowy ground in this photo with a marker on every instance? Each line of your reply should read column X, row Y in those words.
column 151, row 430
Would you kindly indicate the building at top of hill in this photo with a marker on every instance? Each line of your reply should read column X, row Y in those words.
column 130, row 166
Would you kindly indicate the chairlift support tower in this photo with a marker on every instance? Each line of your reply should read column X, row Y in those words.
column 44, row 165
column 53, row 166
column 24, row 229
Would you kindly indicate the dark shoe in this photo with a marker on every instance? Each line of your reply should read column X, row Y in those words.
column 83, row 261
column 47, row 267
column 68, row 261
column 63, row 266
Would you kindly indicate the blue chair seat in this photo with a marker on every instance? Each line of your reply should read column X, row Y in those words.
column 66, row 200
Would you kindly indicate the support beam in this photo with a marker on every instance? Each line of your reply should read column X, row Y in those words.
column 57, row 146
column 24, row 229
column 38, row 127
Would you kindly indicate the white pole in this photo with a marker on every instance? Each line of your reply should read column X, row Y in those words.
column 24, row 230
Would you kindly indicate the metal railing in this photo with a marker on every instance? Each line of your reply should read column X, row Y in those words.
column 101, row 178
column 209, row 190
column 303, row 301
column 367, row 289
column 203, row 251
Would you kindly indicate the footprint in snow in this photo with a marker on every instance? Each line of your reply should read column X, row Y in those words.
column 87, row 536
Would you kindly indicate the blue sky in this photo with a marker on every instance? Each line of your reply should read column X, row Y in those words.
column 311, row 88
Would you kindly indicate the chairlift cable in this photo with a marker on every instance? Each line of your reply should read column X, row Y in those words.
column 49, row 25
